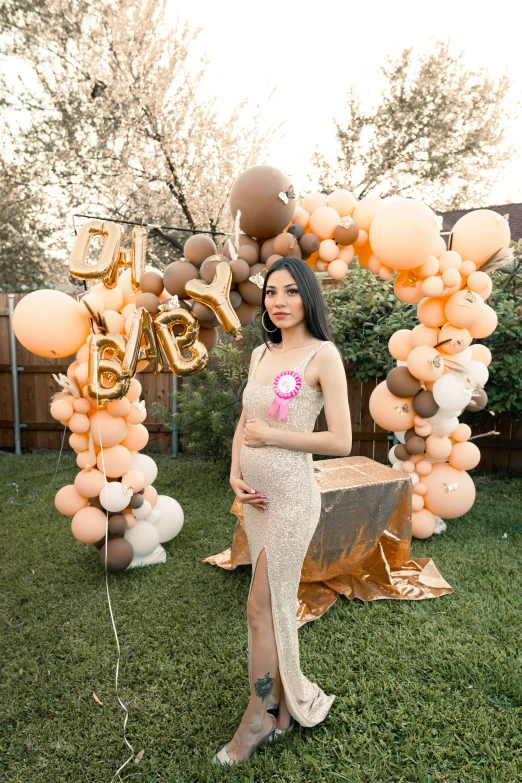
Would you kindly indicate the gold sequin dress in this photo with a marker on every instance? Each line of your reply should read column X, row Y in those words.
column 285, row 529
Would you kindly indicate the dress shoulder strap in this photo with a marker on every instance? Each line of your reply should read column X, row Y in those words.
column 258, row 359
column 302, row 364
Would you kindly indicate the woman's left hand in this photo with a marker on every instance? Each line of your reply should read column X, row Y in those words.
column 256, row 433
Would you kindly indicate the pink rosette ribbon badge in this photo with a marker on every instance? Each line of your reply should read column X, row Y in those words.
column 286, row 386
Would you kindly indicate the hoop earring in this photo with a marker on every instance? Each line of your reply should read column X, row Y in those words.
column 264, row 327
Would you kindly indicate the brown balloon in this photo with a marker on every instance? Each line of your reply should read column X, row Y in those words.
column 95, row 503
column 249, row 254
column 208, row 268
column 272, row 260
column 402, row 383
column 216, row 296
column 199, row 247
column 285, row 244
column 176, row 275
column 409, row 434
column 136, row 500
column 202, row 312
column 149, row 301
column 296, row 230
column 246, row 313
column 309, row 244
column 266, row 199
column 415, row 445
column 119, row 555
column 240, row 270
column 209, row 337
column 250, row 292
column 478, row 401
column 346, row 232
column 151, row 283
column 267, row 250
column 401, row 452
column 235, row 299
column 117, row 524
column 424, row 404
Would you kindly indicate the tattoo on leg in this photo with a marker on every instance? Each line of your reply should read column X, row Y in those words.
column 263, row 686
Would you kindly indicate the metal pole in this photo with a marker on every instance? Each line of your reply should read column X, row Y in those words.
column 14, row 375
column 174, row 436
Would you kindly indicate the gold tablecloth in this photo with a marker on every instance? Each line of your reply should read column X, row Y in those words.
column 361, row 546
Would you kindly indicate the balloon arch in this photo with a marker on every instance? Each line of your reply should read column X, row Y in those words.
column 135, row 316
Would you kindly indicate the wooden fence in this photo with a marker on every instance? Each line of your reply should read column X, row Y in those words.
column 41, row 431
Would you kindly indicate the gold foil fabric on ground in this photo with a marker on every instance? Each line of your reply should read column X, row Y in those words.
column 361, row 545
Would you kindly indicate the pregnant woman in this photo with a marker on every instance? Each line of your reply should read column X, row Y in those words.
column 292, row 375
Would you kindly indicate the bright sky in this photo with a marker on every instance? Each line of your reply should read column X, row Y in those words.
column 311, row 52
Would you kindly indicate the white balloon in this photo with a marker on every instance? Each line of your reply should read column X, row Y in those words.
column 143, row 537
column 400, row 436
column 172, row 517
column 401, row 363
column 449, row 392
column 146, row 466
column 441, row 425
column 398, row 466
column 479, row 372
column 391, row 455
column 415, row 478
column 154, row 517
column 143, row 511
column 114, row 497
column 446, row 414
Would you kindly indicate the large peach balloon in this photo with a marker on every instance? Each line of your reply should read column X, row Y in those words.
column 462, row 433
column 403, row 233
column 481, row 283
column 431, row 312
column 133, row 479
column 81, row 405
column 107, row 430
column 79, row 423
column 113, row 298
column 314, row 201
column 450, row 492
column 61, row 410
column 337, row 269
column 115, row 461
column 486, row 324
column 424, row 335
column 464, row 456
column 438, row 447
column 425, row 363
column 480, row 234
column 423, row 523
column 365, row 211
column 79, row 442
column 457, row 339
column 136, row 438
column 50, row 323
column 88, row 525
column 449, row 260
column 119, row 408
column 408, row 287
column 68, row 500
column 89, row 483
column 431, row 286
column 324, row 221
column 342, row 201
column 464, row 308
column 399, row 344
column 391, row 412
column 136, row 415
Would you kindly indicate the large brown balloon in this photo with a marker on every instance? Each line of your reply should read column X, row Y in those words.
column 415, row 445
column 250, row 291
column 117, row 524
column 209, row 337
column 151, row 283
column 402, row 383
column 309, row 244
column 240, row 270
column 401, row 452
column 478, row 401
column 149, row 301
column 260, row 194
column 267, row 250
column 176, row 275
column 249, row 254
column 346, row 232
column 199, row 247
column 119, row 555
column 207, row 269
column 424, row 404
column 246, row 313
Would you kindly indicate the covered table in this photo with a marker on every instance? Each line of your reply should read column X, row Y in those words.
column 361, row 546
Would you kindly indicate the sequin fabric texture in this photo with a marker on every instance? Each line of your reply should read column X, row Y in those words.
column 285, row 529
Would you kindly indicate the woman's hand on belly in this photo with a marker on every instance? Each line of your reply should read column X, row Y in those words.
column 256, row 433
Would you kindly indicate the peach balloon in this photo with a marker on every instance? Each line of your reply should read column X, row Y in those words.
column 133, row 479
column 440, row 247
column 462, row 433
column 94, row 302
column 130, row 309
column 408, row 287
column 438, row 447
column 346, row 254
column 78, row 442
column 314, row 201
column 486, row 324
column 81, row 405
column 128, row 324
column 452, row 278
column 374, row 264
column 82, row 373
column 115, row 322
column 337, row 269
column 136, row 438
column 464, row 308
column 115, row 461
column 467, row 268
column 403, row 233
column 424, row 335
column 417, row 502
column 423, row 524
column 131, row 520
column 79, row 423
column 429, row 267
column 450, row 492
column 385, row 273
column 328, row 250
column 459, row 339
column 125, row 286
column 151, row 495
column 89, row 483
column 408, row 466
column 324, row 221
column 481, row 353
column 88, row 525
column 419, row 421
column 321, row 266
column 134, row 390
column 366, row 210
column 424, row 431
column 431, row 312
column 431, row 286
column 425, row 363
column 464, row 456
column 420, row 488
column 50, row 323
column 119, row 407
column 342, row 201
column 416, row 458
column 107, row 430
column 449, row 260
column 61, row 410
column 83, row 354
column 399, row 344
column 112, row 298
column 301, row 217
column 480, row 234
column 71, row 370
column 481, row 283
column 390, row 412
column 136, row 415
column 362, row 239
column 68, row 501
column 424, row 467
column 84, row 459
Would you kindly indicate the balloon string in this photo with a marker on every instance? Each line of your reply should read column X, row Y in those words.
column 109, row 602
column 153, row 225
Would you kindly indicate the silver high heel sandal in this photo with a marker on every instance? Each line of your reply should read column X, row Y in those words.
column 278, row 733
column 223, row 758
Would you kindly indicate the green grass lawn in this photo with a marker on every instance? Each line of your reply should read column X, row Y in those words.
column 427, row 692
